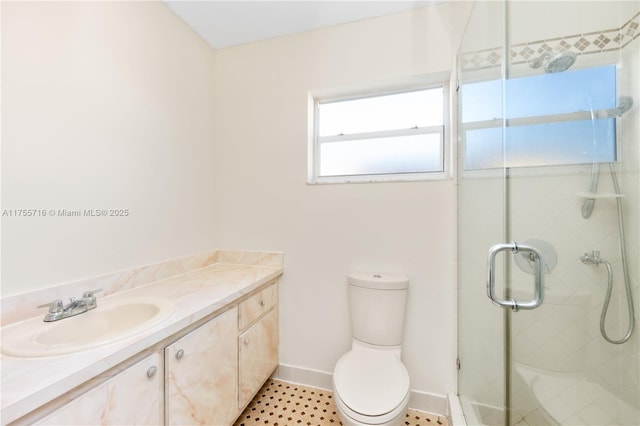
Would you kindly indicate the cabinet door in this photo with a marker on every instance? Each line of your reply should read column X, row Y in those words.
column 202, row 374
column 258, row 355
column 133, row 396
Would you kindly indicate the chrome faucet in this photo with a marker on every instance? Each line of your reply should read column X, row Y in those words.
column 58, row 311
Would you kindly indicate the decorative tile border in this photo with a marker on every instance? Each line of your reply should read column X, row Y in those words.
column 582, row 44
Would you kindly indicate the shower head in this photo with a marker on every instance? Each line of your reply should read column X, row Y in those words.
column 554, row 63
column 560, row 62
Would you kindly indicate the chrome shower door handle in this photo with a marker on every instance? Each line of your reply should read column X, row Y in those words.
column 538, row 276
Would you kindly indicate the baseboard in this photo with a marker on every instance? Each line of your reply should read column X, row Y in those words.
column 304, row 376
column 455, row 413
column 423, row 401
column 428, row 402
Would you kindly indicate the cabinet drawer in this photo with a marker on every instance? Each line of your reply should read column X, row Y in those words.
column 255, row 306
column 258, row 354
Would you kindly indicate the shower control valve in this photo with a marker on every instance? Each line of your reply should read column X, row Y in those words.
column 591, row 259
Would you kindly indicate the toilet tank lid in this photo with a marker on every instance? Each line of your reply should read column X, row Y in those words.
column 378, row 281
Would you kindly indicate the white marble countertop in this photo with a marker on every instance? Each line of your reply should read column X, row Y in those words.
column 28, row 383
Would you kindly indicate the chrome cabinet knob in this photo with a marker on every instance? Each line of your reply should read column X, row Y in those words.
column 180, row 354
column 152, row 371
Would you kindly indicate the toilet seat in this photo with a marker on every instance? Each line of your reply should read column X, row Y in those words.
column 371, row 382
column 392, row 418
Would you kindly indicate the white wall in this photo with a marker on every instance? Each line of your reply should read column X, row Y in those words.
column 105, row 105
column 263, row 201
column 119, row 105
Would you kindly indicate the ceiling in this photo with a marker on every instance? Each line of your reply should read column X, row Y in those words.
column 229, row 23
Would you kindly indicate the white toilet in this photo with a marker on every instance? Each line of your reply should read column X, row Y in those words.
column 370, row 383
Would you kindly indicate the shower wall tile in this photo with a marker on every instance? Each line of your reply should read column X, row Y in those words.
column 562, row 336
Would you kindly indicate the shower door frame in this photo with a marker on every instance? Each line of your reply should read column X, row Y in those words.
column 503, row 235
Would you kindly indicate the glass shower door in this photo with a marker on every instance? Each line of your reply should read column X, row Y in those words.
column 573, row 190
column 548, row 156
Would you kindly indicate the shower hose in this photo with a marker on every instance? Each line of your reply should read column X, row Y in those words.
column 605, row 308
column 595, row 259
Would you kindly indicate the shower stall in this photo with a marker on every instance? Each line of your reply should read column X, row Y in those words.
column 548, row 213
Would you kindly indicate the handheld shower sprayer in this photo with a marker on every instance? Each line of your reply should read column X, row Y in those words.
column 589, row 203
column 624, row 104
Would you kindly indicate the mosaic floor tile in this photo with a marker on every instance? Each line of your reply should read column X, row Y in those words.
column 286, row 404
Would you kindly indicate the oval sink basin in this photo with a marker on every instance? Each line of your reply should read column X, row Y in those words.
column 112, row 320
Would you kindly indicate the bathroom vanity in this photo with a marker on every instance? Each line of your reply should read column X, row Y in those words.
column 202, row 365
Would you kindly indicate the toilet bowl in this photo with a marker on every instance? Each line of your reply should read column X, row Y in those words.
column 371, row 386
column 370, row 383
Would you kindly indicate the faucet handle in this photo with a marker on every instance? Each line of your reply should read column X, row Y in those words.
column 54, row 307
column 91, row 293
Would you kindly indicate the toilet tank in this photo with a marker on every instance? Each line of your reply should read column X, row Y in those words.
column 377, row 305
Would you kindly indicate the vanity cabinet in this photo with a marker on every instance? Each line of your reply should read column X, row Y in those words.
column 201, row 374
column 132, row 396
column 204, row 377
column 258, row 342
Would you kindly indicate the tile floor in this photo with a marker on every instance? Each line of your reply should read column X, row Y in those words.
column 282, row 404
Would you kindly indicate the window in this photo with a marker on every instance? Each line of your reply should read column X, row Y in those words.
column 397, row 136
column 553, row 119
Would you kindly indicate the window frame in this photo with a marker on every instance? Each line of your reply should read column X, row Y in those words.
column 315, row 141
